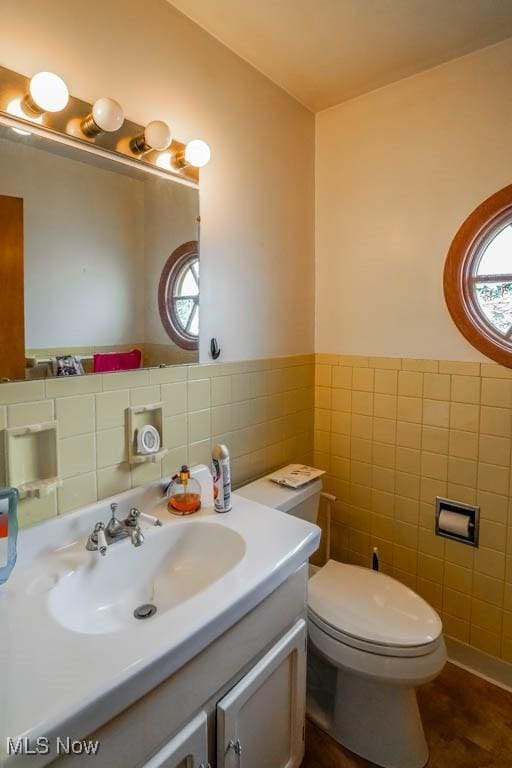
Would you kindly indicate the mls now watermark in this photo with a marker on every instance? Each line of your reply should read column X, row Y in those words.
column 58, row 746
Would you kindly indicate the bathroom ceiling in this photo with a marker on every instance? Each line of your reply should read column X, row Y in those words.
column 326, row 51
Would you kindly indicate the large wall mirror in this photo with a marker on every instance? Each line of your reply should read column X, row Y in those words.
column 85, row 243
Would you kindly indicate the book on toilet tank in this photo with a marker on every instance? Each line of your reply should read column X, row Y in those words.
column 296, row 475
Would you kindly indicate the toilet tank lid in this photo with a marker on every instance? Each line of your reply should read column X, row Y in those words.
column 264, row 491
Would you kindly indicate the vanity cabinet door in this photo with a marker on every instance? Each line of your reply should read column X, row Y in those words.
column 188, row 749
column 260, row 722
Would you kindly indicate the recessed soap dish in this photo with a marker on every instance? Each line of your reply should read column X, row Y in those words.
column 32, row 459
column 138, row 417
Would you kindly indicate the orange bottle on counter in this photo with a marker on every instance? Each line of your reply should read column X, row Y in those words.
column 184, row 493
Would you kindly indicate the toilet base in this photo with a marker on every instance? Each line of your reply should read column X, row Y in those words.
column 379, row 722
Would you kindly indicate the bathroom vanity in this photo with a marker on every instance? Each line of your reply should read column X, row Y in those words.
column 218, row 670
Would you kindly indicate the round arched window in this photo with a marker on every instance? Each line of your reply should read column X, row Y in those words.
column 478, row 277
column 178, row 295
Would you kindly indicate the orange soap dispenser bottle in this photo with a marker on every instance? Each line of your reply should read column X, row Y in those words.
column 184, row 493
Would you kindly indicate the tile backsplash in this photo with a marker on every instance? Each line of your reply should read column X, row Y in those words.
column 393, row 434
column 262, row 409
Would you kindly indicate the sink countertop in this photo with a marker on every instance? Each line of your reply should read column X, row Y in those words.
column 56, row 681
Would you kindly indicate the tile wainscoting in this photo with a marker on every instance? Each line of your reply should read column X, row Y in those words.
column 393, row 434
column 262, row 409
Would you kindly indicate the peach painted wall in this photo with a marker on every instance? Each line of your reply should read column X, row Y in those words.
column 398, row 170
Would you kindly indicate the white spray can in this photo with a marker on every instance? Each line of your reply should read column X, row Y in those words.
column 221, row 470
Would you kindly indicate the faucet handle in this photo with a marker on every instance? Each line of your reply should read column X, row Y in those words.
column 135, row 515
column 113, row 508
column 133, row 518
column 150, row 518
column 99, row 532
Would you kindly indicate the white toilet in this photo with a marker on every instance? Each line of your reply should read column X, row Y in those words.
column 382, row 639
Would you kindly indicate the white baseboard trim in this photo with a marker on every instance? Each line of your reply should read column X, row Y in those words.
column 490, row 668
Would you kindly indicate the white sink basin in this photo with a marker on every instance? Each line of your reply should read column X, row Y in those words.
column 100, row 594
column 72, row 654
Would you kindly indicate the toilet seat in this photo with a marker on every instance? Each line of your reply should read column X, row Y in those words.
column 379, row 649
column 372, row 612
column 389, row 668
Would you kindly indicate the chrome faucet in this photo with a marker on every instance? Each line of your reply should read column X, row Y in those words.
column 115, row 530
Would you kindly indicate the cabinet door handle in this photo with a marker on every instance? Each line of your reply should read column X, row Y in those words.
column 236, row 746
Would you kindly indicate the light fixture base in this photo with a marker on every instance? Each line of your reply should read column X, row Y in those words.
column 178, row 159
column 138, row 145
column 30, row 108
column 89, row 127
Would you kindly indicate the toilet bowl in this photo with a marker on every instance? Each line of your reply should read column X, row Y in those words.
column 382, row 639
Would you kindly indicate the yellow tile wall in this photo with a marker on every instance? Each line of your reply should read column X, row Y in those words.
column 393, row 434
column 262, row 409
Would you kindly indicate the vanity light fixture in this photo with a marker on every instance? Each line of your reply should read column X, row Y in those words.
column 43, row 104
column 107, row 116
column 47, row 93
column 157, row 135
column 196, row 153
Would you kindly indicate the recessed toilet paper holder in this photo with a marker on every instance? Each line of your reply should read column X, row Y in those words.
column 458, row 521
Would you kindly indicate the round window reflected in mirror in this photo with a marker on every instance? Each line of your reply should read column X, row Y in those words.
column 178, row 295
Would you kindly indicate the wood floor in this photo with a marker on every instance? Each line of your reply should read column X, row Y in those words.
column 468, row 724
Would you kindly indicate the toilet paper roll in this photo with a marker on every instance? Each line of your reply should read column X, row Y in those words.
column 454, row 522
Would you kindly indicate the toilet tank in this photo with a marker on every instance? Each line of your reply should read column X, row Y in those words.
column 301, row 502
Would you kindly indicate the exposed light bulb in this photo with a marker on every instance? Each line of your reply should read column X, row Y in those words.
column 107, row 116
column 14, row 108
column 164, row 160
column 47, row 93
column 157, row 135
column 197, row 153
